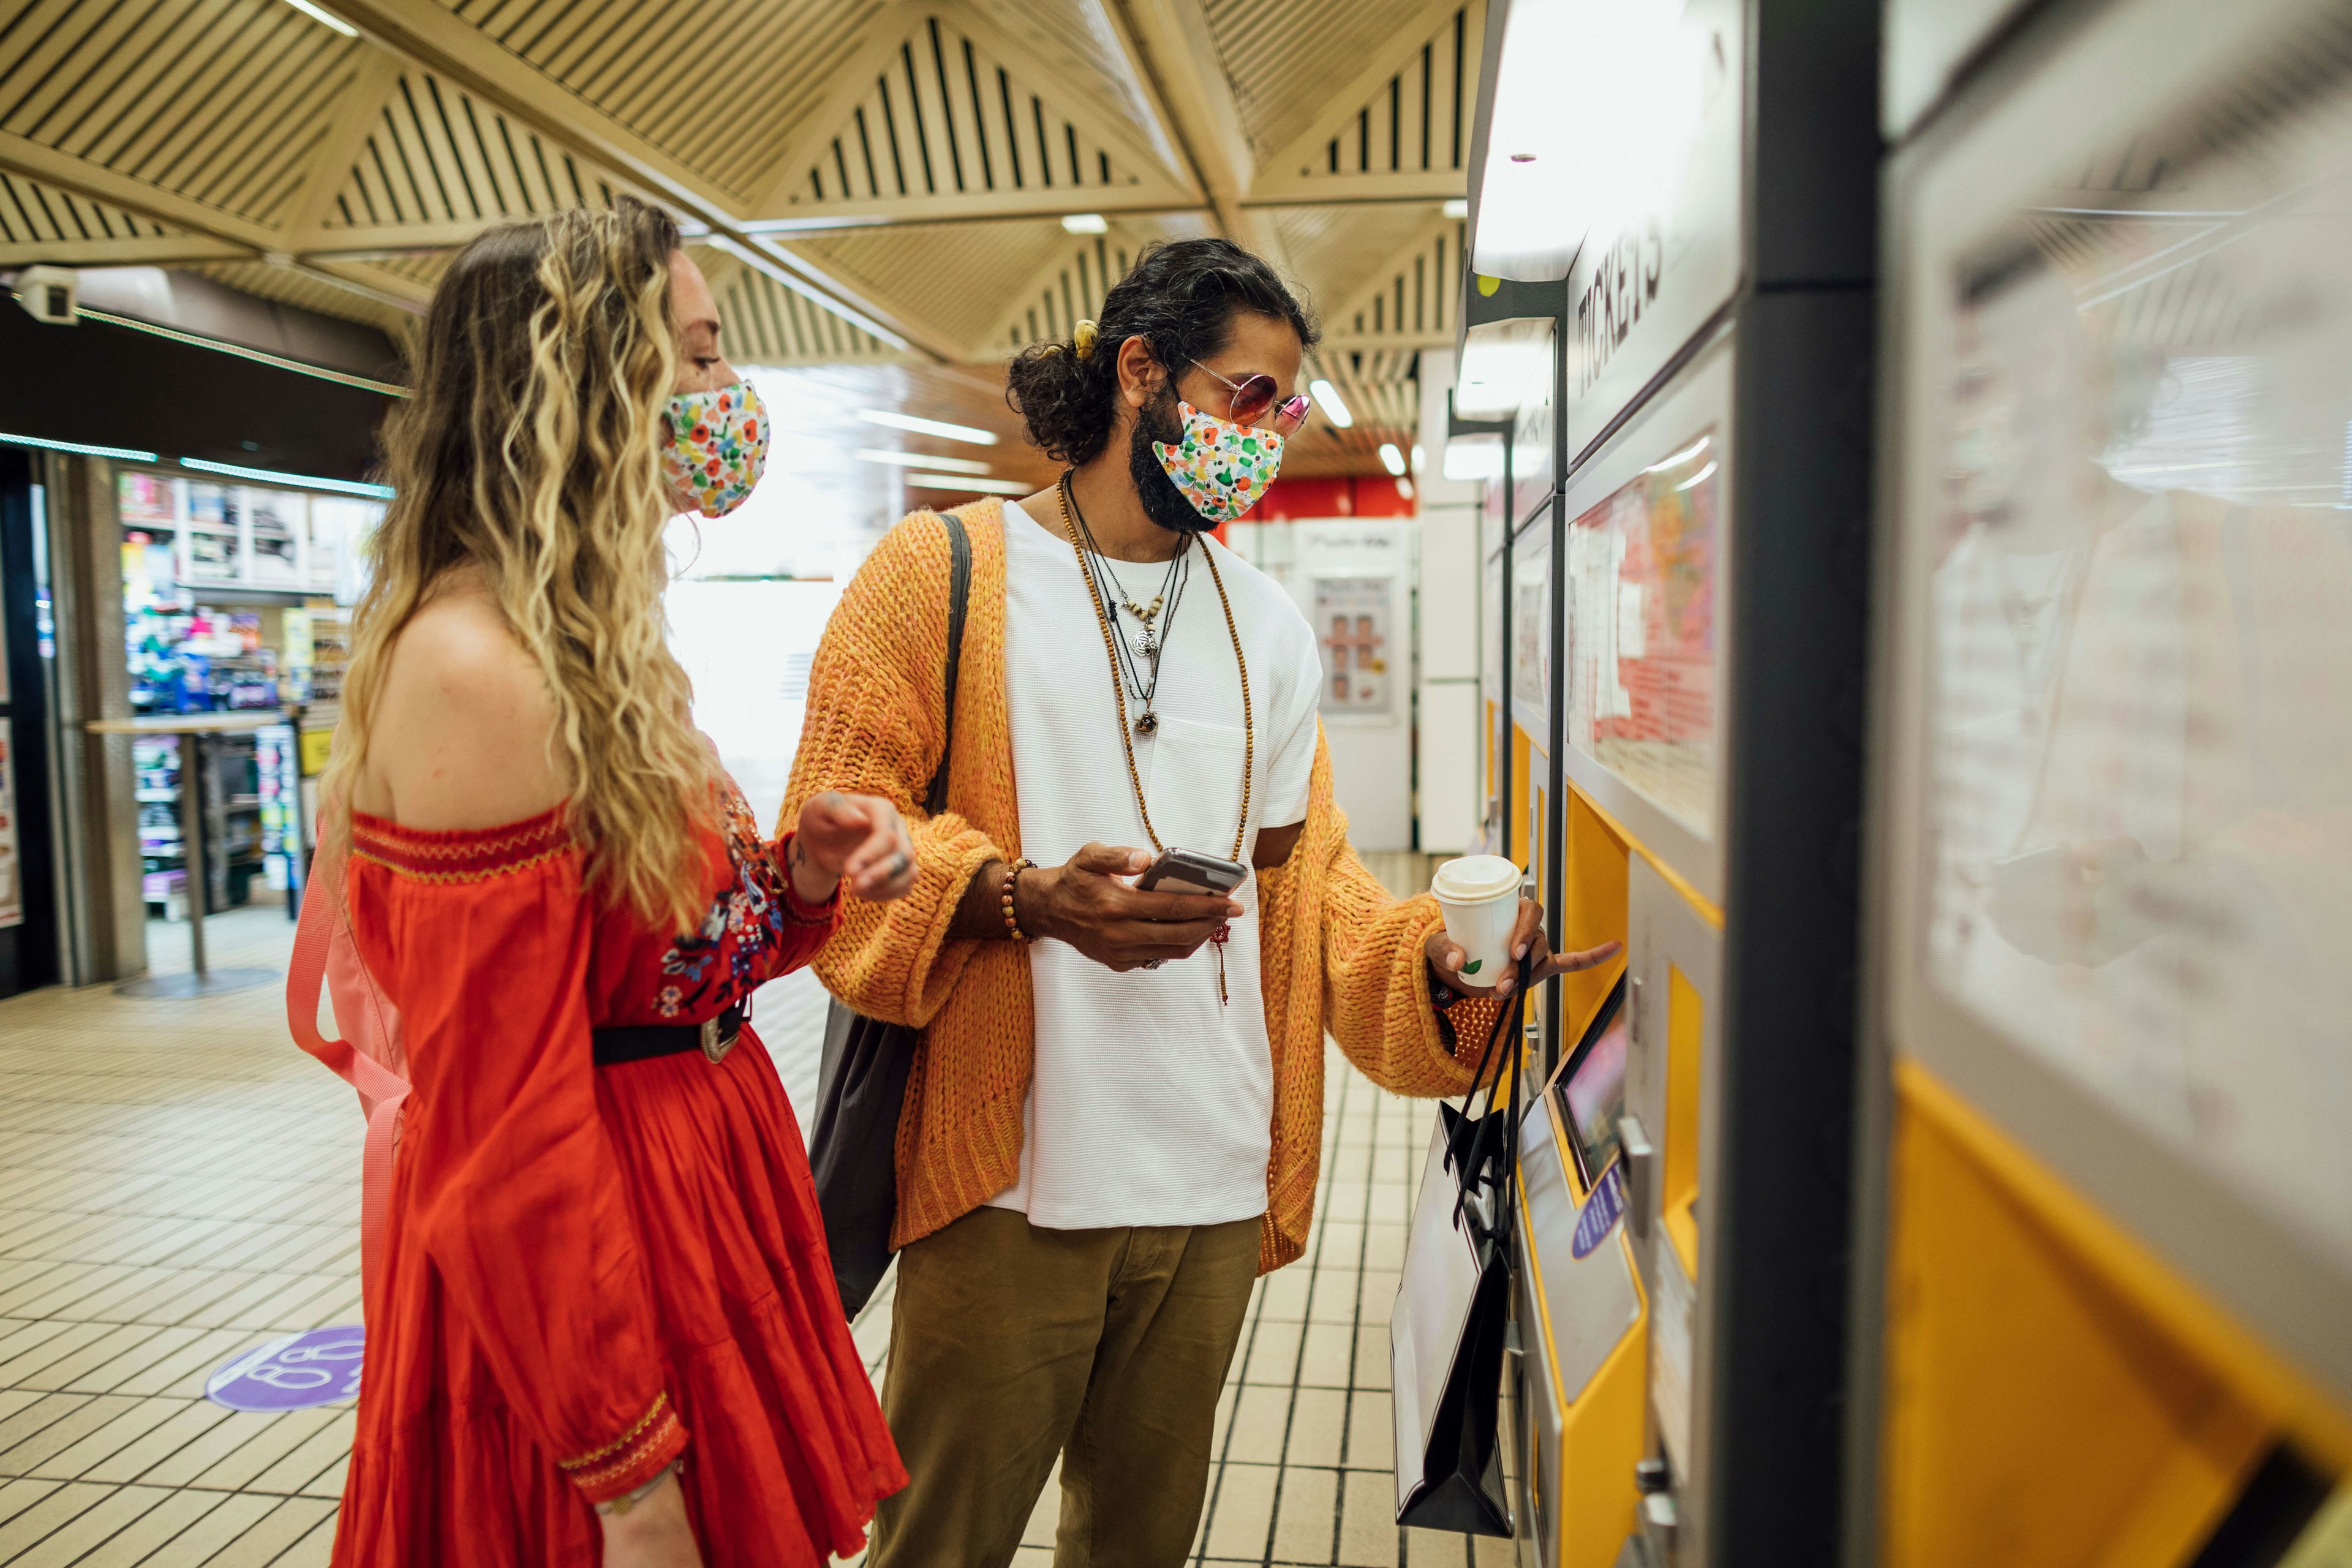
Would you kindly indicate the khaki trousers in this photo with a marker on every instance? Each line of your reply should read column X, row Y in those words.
column 1010, row 1344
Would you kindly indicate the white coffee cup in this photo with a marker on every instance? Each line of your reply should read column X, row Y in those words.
column 1480, row 896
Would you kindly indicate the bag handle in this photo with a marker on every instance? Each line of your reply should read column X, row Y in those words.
column 381, row 1091
column 935, row 794
column 1474, row 1159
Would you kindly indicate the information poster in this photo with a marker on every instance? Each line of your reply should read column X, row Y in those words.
column 1351, row 622
column 12, row 879
column 2139, row 602
column 1641, row 578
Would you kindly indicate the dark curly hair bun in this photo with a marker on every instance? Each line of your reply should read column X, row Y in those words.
column 1179, row 298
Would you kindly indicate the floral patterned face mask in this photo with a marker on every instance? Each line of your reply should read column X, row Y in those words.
column 717, row 448
column 1221, row 468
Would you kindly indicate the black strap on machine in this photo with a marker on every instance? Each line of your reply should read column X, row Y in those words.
column 714, row 1037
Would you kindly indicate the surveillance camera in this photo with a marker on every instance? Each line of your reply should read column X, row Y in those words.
column 49, row 294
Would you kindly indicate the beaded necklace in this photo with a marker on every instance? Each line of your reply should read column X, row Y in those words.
column 1070, row 526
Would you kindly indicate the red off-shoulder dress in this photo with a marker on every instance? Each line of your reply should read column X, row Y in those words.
column 589, row 1272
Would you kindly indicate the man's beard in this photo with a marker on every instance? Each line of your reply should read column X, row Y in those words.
column 1164, row 503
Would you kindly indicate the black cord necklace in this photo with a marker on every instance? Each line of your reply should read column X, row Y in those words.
column 1142, row 688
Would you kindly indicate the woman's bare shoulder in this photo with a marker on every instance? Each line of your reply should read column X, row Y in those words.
column 463, row 723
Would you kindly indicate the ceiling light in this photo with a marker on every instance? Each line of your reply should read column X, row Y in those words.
column 316, row 14
column 1084, row 223
column 1419, row 458
column 922, row 460
column 1391, row 459
column 1459, row 207
column 1326, row 397
column 1404, row 489
column 128, row 454
column 969, row 486
column 945, row 431
column 293, row 482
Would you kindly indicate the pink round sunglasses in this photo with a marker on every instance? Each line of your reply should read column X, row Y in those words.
column 1254, row 394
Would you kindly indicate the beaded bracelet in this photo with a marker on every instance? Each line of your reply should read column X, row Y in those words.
column 1004, row 897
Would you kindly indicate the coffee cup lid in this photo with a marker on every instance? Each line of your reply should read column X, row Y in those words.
column 1474, row 879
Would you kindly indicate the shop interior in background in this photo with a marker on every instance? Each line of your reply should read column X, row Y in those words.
column 234, row 597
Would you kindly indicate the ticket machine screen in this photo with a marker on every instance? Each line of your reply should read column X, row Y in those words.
column 1592, row 1085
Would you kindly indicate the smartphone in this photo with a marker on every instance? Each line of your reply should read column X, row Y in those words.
column 1191, row 871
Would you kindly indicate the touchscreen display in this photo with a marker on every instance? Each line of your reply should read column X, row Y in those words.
column 1592, row 1087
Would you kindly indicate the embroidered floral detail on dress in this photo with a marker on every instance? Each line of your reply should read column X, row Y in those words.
column 721, row 962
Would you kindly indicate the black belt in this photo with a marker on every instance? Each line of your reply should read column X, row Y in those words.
column 714, row 1037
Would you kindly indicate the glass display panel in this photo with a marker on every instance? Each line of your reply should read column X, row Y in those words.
column 1532, row 633
column 1592, row 1085
column 1641, row 683
column 2140, row 651
column 1351, row 622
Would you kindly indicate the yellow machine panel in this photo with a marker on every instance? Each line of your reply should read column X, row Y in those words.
column 2056, row 1395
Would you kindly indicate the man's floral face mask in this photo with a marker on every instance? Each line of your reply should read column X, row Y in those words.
column 717, row 448
column 1221, row 467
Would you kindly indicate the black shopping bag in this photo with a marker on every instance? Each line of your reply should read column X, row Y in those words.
column 1452, row 1307
column 862, row 1083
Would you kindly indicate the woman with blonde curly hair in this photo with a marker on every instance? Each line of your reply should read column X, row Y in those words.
column 603, row 1327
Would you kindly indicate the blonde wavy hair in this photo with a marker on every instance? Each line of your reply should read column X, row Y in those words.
column 531, row 450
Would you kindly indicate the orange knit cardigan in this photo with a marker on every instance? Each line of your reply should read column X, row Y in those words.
column 1336, row 952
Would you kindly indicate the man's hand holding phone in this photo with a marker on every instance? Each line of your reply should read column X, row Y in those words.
column 1090, row 904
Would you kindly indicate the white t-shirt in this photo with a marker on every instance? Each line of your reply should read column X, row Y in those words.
column 1152, row 1104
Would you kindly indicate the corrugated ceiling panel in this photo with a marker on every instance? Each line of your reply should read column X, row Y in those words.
column 1418, row 121
column 1344, row 249
column 945, row 118
column 652, row 69
column 763, row 323
column 293, row 288
column 955, row 277
column 1286, row 61
column 1070, row 286
column 1070, row 44
column 31, row 212
column 438, row 155
column 221, row 102
column 1414, row 296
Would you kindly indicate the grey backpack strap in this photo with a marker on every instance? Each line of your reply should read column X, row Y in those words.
column 935, row 798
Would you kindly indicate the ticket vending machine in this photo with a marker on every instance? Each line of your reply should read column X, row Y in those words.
column 1686, row 193
column 2104, row 1298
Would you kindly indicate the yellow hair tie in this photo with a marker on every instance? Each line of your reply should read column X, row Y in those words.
column 1082, row 337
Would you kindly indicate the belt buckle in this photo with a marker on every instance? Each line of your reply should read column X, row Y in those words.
column 713, row 1046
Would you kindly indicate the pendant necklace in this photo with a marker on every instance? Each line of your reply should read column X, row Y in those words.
column 1148, row 641
column 1144, row 687
column 1074, row 524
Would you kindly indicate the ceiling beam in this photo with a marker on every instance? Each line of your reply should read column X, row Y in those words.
column 25, row 156
column 1359, row 190
column 851, row 82
column 356, row 116
column 160, row 250
column 449, row 45
column 215, row 235
column 1404, row 46
column 1167, row 43
column 901, row 212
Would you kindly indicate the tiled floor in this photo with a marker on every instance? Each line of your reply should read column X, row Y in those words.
column 178, row 1183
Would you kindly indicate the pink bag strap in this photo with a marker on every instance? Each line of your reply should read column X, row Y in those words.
column 380, row 1090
